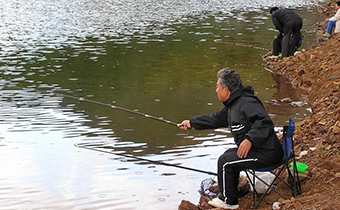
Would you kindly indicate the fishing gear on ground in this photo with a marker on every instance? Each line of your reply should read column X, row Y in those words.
column 242, row 45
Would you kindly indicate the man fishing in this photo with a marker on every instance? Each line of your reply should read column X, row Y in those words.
column 253, row 131
column 289, row 25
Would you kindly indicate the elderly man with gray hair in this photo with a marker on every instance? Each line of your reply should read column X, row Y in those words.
column 252, row 129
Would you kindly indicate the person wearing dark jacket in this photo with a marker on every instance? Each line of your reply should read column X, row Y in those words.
column 289, row 25
column 252, row 129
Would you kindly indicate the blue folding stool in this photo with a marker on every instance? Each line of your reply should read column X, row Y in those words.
column 293, row 176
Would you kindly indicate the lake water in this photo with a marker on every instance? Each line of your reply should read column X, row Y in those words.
column 156, row 57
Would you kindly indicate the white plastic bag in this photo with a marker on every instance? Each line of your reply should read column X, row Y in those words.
column 259, row 185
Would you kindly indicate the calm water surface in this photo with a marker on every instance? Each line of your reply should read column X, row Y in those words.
column 157, row 57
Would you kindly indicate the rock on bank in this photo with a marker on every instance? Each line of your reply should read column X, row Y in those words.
column 317, row 72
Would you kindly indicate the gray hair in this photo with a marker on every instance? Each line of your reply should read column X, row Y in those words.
column 229, row 78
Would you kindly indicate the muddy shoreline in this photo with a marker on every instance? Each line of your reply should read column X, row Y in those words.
column 317, row 72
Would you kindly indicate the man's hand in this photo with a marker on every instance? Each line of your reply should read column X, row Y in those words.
column 327, row 20
column 185, row 125
column 244, row 148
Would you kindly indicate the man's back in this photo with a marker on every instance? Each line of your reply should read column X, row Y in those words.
column 286, row 15
column 282, row 16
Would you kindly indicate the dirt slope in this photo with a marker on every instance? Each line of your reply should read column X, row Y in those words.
column 317, row 71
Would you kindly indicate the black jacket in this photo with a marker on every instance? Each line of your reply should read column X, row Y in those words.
column 281, row 17
column 247, row 118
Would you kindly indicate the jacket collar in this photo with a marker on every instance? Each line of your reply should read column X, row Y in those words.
column 238, row 92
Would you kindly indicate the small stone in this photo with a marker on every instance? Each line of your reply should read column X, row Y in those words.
column 296, row 82
column 332, row 78
column 302, row 72
column 203, row 203
column 336, row 129
column 337, row 175
column 314, row 171
column 297, row 205
column 285, row 202
column 323, row 122
column 276, row 206
column 302, row 153
column 186, row 205
column 286, row 100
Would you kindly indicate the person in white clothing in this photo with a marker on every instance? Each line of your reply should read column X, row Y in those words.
column 334, row 22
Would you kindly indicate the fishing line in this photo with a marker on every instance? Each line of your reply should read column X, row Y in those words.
column 102, row 145
column 242, row 45
column 133, row 112
column 144, row 159
column 247, row 42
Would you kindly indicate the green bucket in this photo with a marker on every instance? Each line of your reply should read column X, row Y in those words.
column 301, row 167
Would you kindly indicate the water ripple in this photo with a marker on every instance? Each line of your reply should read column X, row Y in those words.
column 53, row 24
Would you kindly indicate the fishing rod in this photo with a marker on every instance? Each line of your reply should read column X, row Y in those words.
column 144, row 159
column 117, row 107
column 111, row 106
column 241, row 45
column 108, row 105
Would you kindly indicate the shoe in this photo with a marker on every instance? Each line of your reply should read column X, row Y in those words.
column 218, row 203
column 326, row 34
